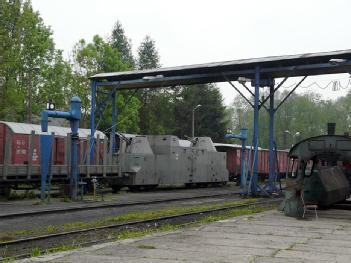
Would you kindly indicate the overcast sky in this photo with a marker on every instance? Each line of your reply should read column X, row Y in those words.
column 200, row 31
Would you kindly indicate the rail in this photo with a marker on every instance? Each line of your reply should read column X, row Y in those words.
column 11, row 248
column 109, row 205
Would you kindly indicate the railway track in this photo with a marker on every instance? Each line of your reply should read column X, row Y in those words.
column 108, row 205
column 94, row 235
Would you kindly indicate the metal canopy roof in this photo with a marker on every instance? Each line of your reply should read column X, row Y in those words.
column 270, row 67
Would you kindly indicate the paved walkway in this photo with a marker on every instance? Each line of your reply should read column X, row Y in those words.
column 268, row 237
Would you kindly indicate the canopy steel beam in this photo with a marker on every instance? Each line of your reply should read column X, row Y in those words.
column 278, row 86
column 259, row 100
column 242, row 95
column 291, row 92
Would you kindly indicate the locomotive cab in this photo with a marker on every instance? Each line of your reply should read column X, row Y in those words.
column 316, row 173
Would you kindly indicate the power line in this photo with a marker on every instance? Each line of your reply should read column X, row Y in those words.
column 336, row 85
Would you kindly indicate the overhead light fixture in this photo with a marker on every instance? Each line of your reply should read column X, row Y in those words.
column 148, row 78
column 243, row 80
column 50, row 105
column 337, row 61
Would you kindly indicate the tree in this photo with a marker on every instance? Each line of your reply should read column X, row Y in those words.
column 307, row 114
column 100, row 56
column 148, row 57
column 153, row 101
column 119, row 41
column 210, row 118
column 28, row 61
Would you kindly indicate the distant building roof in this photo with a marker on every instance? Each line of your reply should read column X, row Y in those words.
column 27, row 128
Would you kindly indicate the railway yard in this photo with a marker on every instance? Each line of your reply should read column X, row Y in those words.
column 85, row 195
column 29, row 229
column 262, row 238
column 172, row 225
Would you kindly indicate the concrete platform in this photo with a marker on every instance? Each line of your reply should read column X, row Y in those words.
column 268, row 237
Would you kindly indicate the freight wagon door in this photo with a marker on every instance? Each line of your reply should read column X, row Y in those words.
column 232, row 163
column 59, row 151
column 2, row 142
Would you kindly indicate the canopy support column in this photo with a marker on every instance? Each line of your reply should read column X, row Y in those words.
column 92, row 120
column 254, row 173
column 271, row 139
column 114, row 117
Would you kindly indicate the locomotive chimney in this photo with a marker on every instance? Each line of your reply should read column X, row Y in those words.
column 331, row 128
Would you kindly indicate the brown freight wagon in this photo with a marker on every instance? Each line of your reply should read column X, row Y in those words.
column 20, row 135
column 20, row 153
column 234, row 160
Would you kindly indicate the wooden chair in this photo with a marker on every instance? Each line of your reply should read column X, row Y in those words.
column 308, row 206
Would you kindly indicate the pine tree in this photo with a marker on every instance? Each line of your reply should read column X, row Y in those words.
column 210, row 117
column 151, row 99
column 148, row 57
column 119, row 41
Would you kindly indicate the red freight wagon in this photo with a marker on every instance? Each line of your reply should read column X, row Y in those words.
column 234, row 160
column 18, row 135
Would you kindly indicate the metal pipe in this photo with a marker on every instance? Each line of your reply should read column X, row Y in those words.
column 193, row 120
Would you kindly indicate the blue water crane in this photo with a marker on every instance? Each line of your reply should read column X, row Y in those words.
column 242, row 136
column 74, row 116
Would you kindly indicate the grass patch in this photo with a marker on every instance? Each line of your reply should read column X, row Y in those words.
column 24, row 232
column 35, row 252
column 142, row 215
column 7, row 260
column 128, row 217
column 146, row 246
column 20, row 195
column 204, row 220
column 61, row 248
column 135, row 233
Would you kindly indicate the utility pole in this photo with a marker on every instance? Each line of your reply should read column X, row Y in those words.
column 193, row 120
column 30, row 93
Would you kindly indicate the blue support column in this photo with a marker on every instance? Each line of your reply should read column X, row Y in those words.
column 271, row 139
column 74, row 178
column 114, row 122
column 255, row 132
column 46, row 142
column 92, row 120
